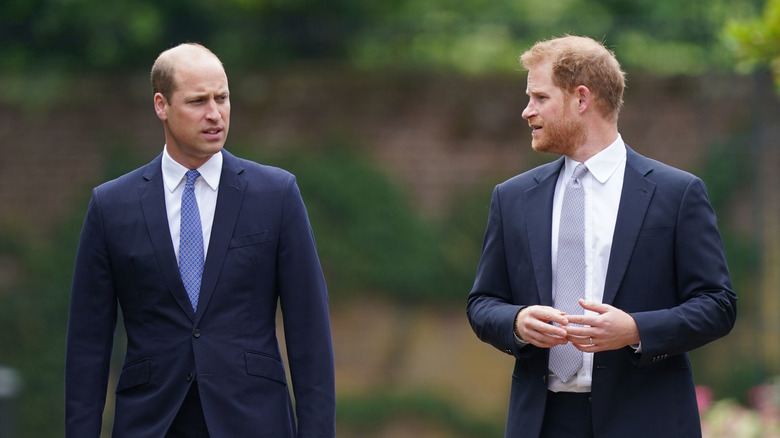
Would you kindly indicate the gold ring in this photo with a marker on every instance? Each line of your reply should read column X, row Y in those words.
column 591, row 340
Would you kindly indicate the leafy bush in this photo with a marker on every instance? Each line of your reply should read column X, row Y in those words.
column 369, row 237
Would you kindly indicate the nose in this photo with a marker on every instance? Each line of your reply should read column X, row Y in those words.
column 212, row 112
column 529, row 111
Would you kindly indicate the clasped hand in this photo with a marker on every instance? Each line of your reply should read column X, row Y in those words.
column 609, row 329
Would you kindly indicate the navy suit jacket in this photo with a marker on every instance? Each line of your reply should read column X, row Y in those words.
column 667, row 269
column 261, row 252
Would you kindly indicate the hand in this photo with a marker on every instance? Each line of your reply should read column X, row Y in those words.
column 533, row 326
column 611, row 329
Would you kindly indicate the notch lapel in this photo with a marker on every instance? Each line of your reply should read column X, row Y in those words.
column 152, row 197
column 231, row 194
column 539, row 227
column 634, row 201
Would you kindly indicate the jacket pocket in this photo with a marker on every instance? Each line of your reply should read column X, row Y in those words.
column 262, row 365
column 251, row 239
column 134, row 374
column 655, row 232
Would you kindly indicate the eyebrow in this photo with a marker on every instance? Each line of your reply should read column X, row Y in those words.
column 198, row 95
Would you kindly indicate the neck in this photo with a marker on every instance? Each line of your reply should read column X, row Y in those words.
column 596, row 141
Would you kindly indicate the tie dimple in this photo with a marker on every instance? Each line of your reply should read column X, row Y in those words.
column 191, row 243
column 566, row 360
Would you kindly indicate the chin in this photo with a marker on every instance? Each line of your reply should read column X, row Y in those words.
column 548, row 148
column 213, row 148
column 539, row 146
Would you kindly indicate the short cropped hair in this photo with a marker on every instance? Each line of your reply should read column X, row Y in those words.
column 582, row 61
column 164, row 69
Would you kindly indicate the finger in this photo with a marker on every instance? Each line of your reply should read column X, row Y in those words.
column 579, row 340
column 578, row 332
column 549, row 314
column 587, row 347
column 586, row 344
column 543, row 313
column 551, row 341
column 545, row 340
column 534, row 326
column 546, row 315
column 581, row 320
column 594, row 306
column 546, row 329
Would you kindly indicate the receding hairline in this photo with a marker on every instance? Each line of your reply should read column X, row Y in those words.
column 176, row 52
column 164, row 68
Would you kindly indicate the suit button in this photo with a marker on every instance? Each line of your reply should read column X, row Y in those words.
column 196, row 333
column 189, row 377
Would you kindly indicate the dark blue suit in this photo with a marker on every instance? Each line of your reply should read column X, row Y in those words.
column 667, row 269
column 261, row 252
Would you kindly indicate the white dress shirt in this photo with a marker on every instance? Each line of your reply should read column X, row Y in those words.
column 206, row 187
column 602, row 184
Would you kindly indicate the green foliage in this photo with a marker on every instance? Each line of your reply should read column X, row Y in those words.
column 369, row 414
column 756, row 41
column 33, row 316
column 368, row 236
column 728, row 171
column 473, row 36
column 88, row 34
column 34, row 311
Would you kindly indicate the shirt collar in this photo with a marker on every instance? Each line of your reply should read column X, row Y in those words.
column 601, row 165
column 173, row 172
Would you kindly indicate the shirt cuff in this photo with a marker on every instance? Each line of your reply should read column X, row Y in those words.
column 519, row 342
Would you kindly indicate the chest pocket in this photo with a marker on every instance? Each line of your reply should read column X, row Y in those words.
column 251, row 239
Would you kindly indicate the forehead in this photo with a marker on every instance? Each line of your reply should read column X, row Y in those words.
column 540, row 79
column 200, row 74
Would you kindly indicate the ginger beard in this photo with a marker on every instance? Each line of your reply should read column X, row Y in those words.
column 561, row 135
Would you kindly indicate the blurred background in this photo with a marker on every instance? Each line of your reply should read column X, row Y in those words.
column 398, row 118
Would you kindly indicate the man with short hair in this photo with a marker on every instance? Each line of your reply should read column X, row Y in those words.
column 197, row 248
column 600, row 270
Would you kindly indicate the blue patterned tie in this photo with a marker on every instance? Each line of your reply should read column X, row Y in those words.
column 191, row 243
column 566, row 360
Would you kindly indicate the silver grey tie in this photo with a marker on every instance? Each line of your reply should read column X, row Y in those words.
column 565, row 360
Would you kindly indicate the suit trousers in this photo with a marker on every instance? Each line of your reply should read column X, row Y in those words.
column 567, row 415
column 190, row 421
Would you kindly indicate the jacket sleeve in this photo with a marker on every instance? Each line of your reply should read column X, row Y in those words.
column 490, row 307
column 706, row 307
column 91, row 324
column 304, row 303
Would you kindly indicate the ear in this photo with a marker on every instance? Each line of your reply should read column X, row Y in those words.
column 160, row 106
column 582, row 94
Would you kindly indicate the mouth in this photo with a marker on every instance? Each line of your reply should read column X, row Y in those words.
column 212, row 133
column 535, row 129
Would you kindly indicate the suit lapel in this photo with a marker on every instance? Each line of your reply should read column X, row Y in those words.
column 634, row 200
column 231, row 193
column 152, row 196
column 539, row 227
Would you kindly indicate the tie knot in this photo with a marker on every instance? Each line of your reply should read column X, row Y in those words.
column 191, row 175
column 579, row 171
